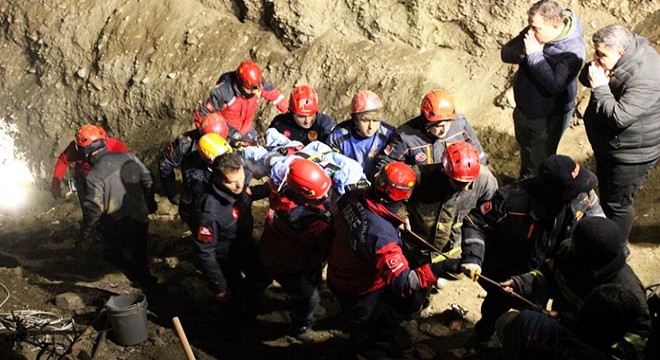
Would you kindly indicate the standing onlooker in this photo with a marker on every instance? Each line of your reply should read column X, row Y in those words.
column 549, row 52
column 364, row 135
column 623, row 117
column 304, row 122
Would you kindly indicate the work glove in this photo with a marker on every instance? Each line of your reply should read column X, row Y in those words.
column 56, row 188
column 471, row 270
column 152, row 205
column 283, row 106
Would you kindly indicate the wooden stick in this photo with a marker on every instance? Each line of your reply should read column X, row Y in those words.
column 183, row 338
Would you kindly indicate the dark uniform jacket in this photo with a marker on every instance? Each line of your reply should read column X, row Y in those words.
column 366, row 253
column 436, row 211
column 516, row 231
column 180, row 153
column 296, row 238
column 623, row 119
column 222, row 222
column 413, row 145
column 321, row 128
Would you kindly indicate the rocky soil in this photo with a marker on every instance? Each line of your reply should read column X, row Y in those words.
column 139, row 67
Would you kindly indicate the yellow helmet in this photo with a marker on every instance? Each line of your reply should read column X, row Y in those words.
column 211, row 146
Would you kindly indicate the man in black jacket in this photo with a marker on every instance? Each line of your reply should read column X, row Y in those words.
column 119, row 196
column 623, row 117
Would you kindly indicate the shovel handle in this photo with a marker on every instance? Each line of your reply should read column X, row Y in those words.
column 183, row 338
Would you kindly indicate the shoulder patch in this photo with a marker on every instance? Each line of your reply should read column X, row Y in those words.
column 420, row 157
column 287, row 133
column 205, row 234
column 394, row 263
column 486, row 207
column 235, row 213
column 388, row 149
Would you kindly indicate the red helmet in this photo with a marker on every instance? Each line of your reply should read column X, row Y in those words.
column 461, row 162
column 365, row 100
column 304, row 101
column 87, row 134
column 214, row 123
column 249, row 75
column 308, row 179
column 395, row 181
column 438, row 105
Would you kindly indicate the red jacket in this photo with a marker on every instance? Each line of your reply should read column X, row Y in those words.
column 295, row 238
column 71, row 154
column 237, row 109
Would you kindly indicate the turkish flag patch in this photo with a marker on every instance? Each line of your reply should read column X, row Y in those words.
column 235, row 213
column 486, row 207
column 205, row 234
column 394, row 263
column 420, row 157
column 388, row 149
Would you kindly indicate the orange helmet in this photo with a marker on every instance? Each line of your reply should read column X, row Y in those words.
column 87, row 134
column 249, row 75
column 461, row 162
column 214, row 123
column 304, row 101
column 365, row 100
column 395, row 181
column 438, row 105
column 308, row 179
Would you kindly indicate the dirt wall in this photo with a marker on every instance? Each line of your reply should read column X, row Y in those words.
column 140, row 66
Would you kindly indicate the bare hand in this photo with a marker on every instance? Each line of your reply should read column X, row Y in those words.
column 598, row 76
column 507, row 286
column 223, row 296
column 532, row 45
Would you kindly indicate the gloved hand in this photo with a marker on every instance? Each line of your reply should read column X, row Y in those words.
column 471, row 270
column 152, row 205
column 283, row 106
column 56, row 188
column 405, row 226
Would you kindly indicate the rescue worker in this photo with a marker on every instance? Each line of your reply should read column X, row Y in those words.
column 182, row 153
column 592, row 257
column 444, row 194
column 223, row 242
column 236, row 96
column 296, row 238
column 608, row 313
column 304, row 122
column 522, row 226
column 364, row 135
column 119, row 196
column 366, row 267
column 73, row 153
column 423, row 139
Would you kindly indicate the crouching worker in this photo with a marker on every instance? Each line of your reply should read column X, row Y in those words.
column 367, row 270
column 118, row 196
column 296, row 238
column 608, row 314
column 223, row 242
